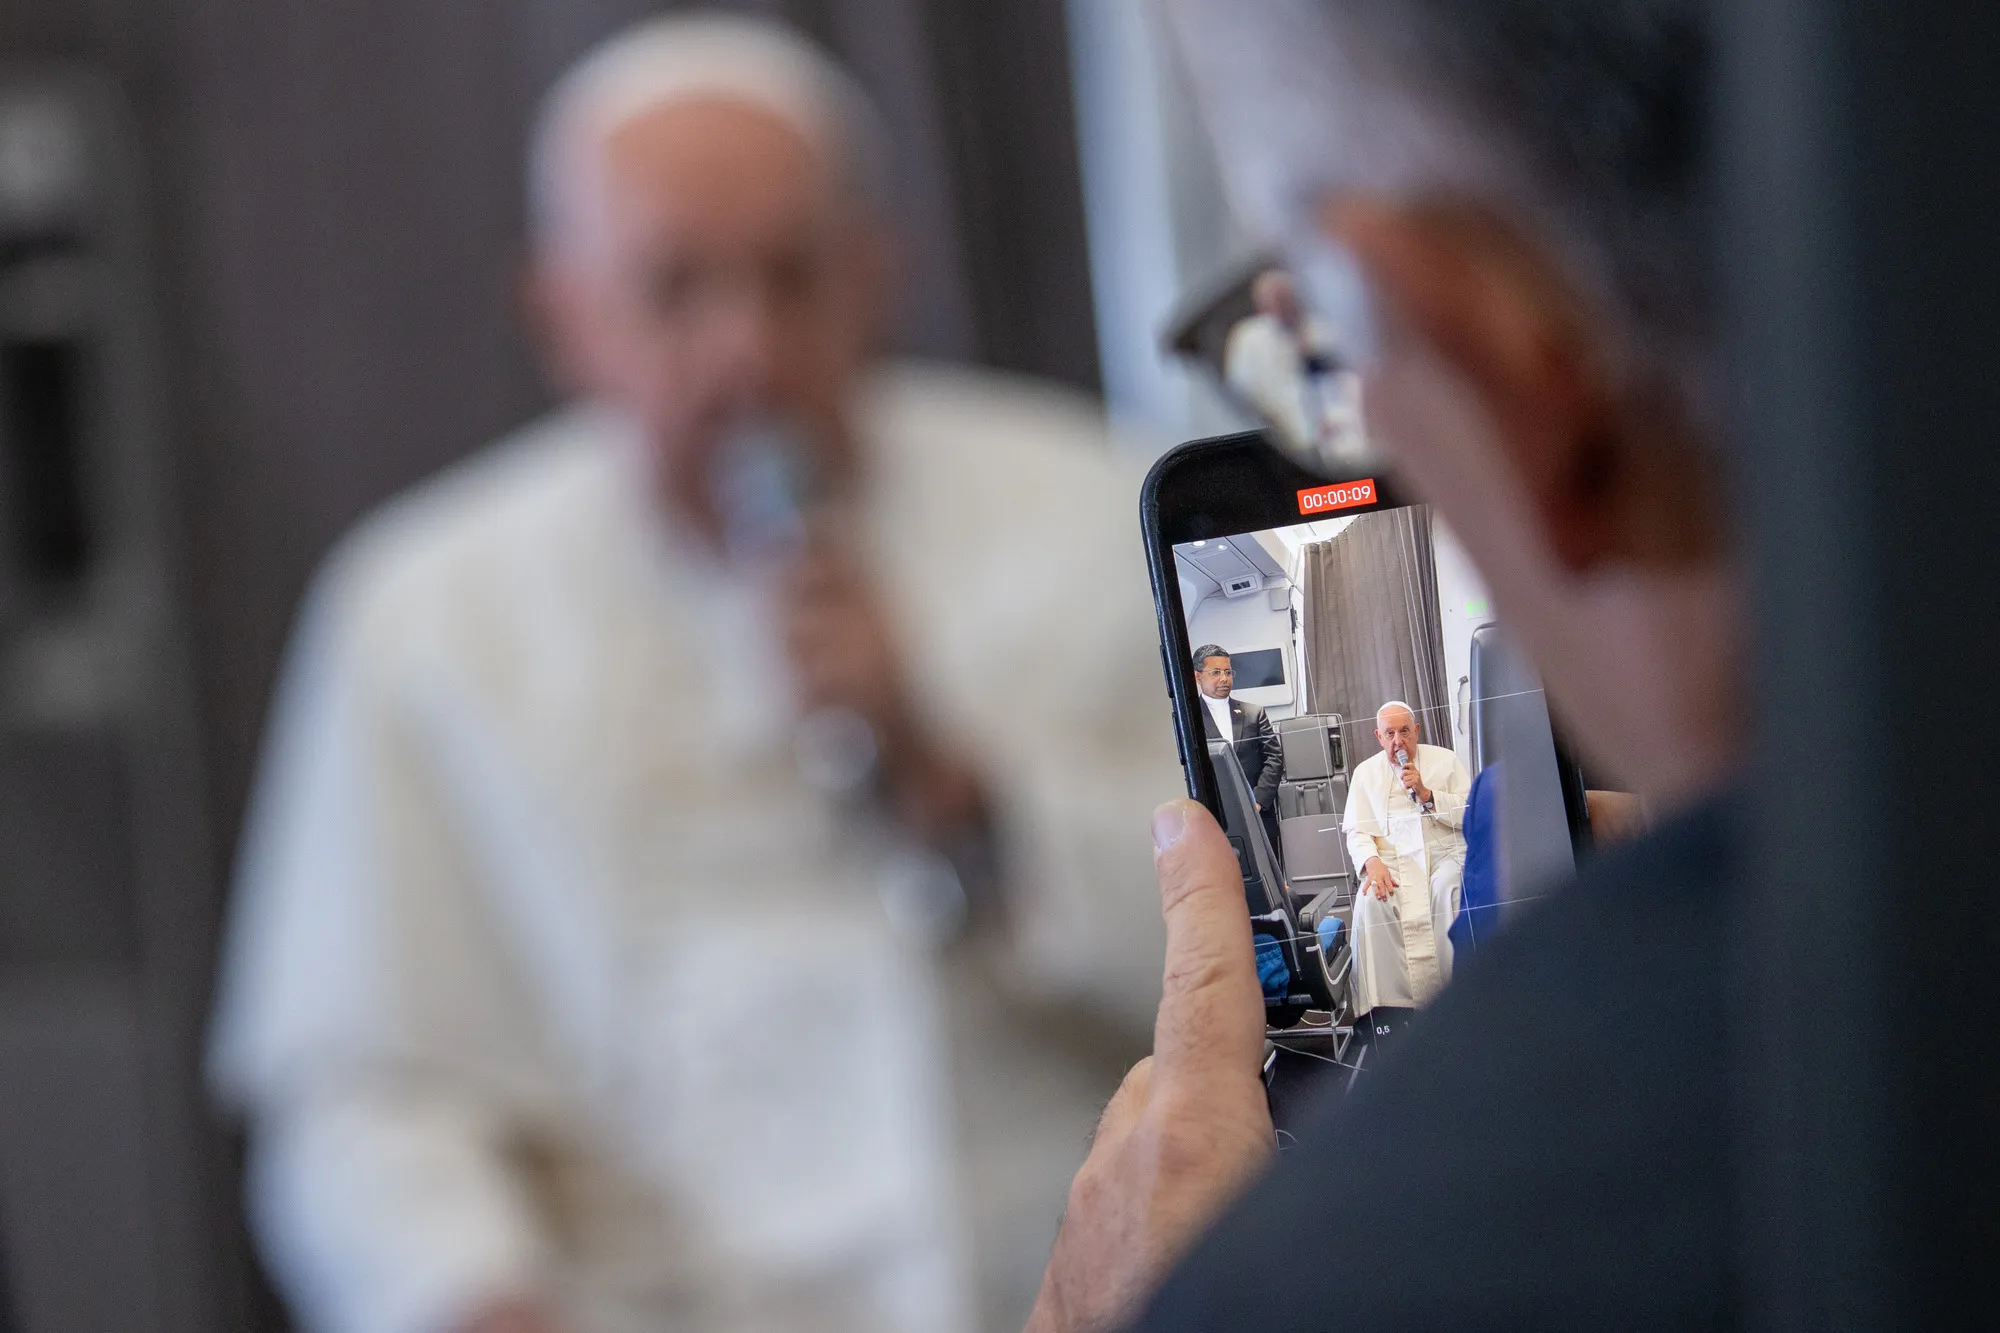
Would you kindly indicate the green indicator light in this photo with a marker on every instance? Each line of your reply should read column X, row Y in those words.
column 1475, row 606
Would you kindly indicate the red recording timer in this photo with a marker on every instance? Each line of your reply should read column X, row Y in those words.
column 1318, row 500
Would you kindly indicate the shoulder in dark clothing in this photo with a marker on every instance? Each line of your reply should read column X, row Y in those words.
column 1547, row 1148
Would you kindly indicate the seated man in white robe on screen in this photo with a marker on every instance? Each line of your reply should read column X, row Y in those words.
column 1405, row 819
column 658, row 909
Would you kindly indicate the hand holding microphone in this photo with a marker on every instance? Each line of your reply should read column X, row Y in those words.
column 859, row 728
column 1413, row 781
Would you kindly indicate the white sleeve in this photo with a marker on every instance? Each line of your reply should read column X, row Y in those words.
column 1240, row 363
column 1058, row 698
column 1362, row 822
column 1075, row 782
column 368, row 1024
column 1083, row 905
column 388, row 1210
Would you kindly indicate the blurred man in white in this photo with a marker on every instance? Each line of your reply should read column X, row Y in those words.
column 1405, row 819
column 556, row 998
column 1285, row 364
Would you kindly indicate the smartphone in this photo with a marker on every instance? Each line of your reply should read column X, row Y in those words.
column 1347, row 707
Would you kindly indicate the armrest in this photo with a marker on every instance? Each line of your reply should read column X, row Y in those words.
column 1327, row 902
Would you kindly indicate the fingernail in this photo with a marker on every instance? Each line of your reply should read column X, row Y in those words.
column 1169, row 825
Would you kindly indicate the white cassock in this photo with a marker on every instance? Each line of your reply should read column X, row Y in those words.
column 547, row 973
column 1402, row 953
column 1262, row 362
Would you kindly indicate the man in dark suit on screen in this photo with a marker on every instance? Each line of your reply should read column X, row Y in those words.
column 1248, row 728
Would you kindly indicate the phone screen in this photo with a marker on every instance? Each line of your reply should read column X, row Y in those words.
column 1348, row 706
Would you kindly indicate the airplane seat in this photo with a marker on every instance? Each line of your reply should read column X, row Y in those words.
column 1311, row 800
column 1311, row 745
column 1289, row 959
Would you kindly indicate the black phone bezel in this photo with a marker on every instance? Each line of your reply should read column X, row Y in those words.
column 1224, row 486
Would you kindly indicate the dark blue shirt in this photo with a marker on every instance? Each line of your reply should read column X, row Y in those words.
column 1548, row 1147
column 1479, row 891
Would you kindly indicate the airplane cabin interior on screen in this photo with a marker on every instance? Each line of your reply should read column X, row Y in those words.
column 1363, row 716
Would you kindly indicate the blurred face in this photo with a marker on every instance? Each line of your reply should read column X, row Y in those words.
column 1575, row 473
column 1215, row 677
column 1597, row 526
column 715, row 271
column 1396, row 729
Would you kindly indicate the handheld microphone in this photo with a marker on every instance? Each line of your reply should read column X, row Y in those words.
column 769, row 493
column 1403, row 761
column 766, row 489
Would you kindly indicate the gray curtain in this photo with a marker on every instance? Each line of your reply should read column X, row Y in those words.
column 1372, row 629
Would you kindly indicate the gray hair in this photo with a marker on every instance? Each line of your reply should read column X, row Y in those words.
column 1206, row 651
column 756, row 62
column 1396, row 703
column 1580, row 120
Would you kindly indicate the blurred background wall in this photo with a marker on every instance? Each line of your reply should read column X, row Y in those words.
column 327, row 232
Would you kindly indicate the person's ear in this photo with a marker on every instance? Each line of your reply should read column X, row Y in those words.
column 1464, row 286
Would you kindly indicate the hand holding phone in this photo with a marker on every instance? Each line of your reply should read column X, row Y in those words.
column 1190, row 1125
column 1312, row 626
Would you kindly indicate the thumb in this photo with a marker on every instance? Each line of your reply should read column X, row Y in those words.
column 1211, row 1022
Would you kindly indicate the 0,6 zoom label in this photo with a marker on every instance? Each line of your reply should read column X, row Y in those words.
column 1345, row 495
